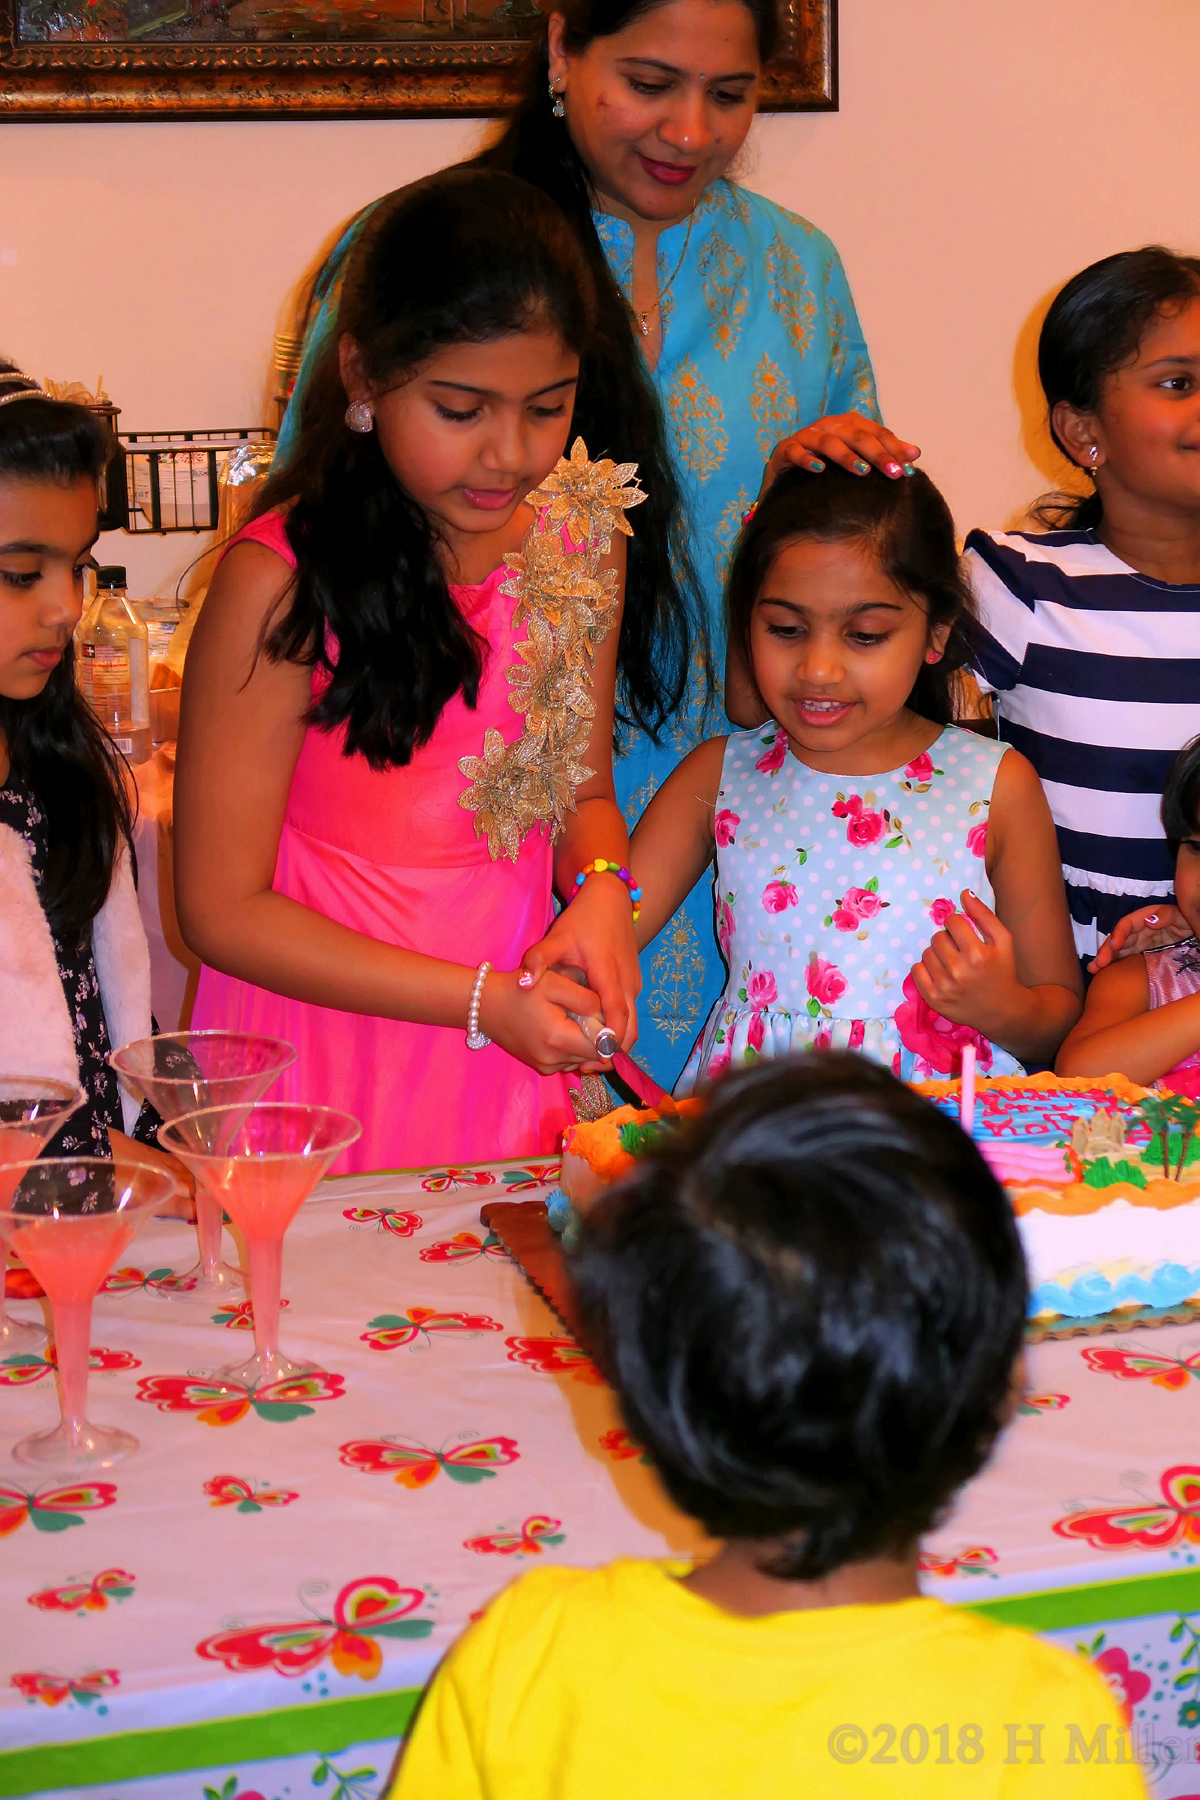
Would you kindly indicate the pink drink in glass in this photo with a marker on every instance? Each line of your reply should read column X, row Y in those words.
column 69, row 1219
column 271, row 1156
column 32, row 1108
column 189, row 1072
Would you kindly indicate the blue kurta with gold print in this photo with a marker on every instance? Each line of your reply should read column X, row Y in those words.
column 760, row 337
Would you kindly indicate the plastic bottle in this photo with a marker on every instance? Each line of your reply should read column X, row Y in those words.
column 112, row 665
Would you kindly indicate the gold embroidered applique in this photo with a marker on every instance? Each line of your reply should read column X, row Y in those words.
column 570, row 605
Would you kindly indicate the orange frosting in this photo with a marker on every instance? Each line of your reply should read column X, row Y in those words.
column 598, row 1142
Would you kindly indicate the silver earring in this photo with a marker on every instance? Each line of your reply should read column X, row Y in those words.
column 359, row 416
column 557, row 107
column 1094, row 458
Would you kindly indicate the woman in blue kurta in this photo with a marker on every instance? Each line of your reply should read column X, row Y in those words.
column 631, row 117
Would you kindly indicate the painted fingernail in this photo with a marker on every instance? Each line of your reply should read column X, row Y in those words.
column 862, row 468
column 1152, row 918
column 817, row 466
column 892, row 469
column 525, row 978
column 908, row 469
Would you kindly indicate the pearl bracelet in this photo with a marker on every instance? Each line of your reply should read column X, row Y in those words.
column 475, row 1038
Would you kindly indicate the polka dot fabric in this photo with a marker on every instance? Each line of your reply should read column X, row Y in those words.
column 829, row 887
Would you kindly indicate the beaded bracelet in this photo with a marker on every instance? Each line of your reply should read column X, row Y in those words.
column 601, row 867
column 475, row 1038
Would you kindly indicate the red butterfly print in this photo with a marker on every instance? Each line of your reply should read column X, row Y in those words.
column 52, row 1509
column 365, row 1610
column 977, row 1560
column 238, row 1315
column 1037, row 1404
column 464, row 1246
column 221, row 1402
column 384, row 1218
column 448, row 1181
column 621, row 1444
column 1145, row 1365
column 1153, row 1525
column 86, row 1596
column 555, row 1356
column 530, row 1539
column 518, row 1181
column 22, row 1371
column 414, row 1465
column 52, row 1690
column 232, row 1490
column 155, row 1281
column 390, row 1331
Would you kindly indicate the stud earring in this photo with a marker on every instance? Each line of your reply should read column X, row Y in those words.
column 933, row 656
column 360, row 417
column 556, row 105
column 1093, row 458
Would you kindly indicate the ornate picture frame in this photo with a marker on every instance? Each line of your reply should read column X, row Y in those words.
column 148, row 59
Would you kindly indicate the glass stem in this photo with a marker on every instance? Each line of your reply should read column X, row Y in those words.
column 209, row 1219
column 72, row 1330
column 266, row 1274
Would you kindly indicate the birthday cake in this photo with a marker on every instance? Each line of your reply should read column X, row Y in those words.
column 1104, row 1178
column 598, row 1152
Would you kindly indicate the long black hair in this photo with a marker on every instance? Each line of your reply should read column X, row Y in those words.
column 907, row 524
column 1094, row 327
column 467, row 255
column 55, row 742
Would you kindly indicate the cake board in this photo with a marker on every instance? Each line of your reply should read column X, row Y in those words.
column 524, row 1229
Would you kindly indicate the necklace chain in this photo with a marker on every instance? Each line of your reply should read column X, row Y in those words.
column 643, row 318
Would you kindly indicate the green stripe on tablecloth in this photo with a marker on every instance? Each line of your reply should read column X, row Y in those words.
column 333, row 1725
column 325, row 1728
column 1060, row 1608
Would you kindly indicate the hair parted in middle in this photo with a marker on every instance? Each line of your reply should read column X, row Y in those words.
column 810, row 1302
column 905, row 524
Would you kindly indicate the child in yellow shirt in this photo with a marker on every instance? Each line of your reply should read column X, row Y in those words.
column 810, row 1303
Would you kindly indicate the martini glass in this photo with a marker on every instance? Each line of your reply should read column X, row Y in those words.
column 32, row 1107
column 195, row 1072
column 261, row 1162
column 69, row 1218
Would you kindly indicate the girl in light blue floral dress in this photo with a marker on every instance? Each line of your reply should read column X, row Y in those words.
column 884, row 880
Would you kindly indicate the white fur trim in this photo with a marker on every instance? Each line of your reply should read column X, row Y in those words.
column 36, row 1034
column 123, row 970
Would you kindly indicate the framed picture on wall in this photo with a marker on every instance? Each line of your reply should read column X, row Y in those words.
column 271, row 59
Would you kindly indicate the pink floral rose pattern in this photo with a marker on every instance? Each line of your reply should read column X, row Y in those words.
column 828, row 891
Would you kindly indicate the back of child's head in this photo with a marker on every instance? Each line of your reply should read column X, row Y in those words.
column 1180, row 809
column 810, row 1304
column 54, row 740
column 469, row 255
column 1095, row 327
column 906, row 525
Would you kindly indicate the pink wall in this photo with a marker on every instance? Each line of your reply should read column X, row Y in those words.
column 982, row 154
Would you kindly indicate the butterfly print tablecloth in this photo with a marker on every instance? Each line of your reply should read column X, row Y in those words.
column 273, row 1577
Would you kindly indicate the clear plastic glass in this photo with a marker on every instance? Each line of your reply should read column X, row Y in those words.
column 264, row 1163
column 112, row 669
column 197, row 1072
column 69, row 1219
column 32, row 1107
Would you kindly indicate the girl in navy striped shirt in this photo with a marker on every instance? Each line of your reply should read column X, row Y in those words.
column 1090, row 631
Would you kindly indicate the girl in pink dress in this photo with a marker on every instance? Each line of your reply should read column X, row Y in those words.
column 1142, row 1014
column 396, row 738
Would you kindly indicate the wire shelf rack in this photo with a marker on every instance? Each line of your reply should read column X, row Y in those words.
column 171, row 480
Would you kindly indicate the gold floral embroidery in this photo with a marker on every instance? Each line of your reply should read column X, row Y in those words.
column 676, row 980
column 726, row 531
column 726, row 198
column 697, row 416
column 791, row 297
column 722, row 270
column 863, row 383
column 772, row 404
column 570, row 605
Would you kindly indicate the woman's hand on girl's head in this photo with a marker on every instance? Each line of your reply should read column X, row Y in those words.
column 851, row 440
column 594, row 933
column 1151, row 927
column 531, row 1022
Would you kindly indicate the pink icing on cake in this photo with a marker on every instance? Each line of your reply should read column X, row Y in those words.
column 1015, row 1162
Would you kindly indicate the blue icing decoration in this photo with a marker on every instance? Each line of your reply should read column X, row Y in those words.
column 558, row 1210
column 1042, row 1116
column 1095, row 1293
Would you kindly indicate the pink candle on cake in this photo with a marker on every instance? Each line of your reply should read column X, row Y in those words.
column 966, row 1096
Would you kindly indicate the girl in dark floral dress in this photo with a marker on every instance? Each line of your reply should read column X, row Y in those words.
column 74, row 967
